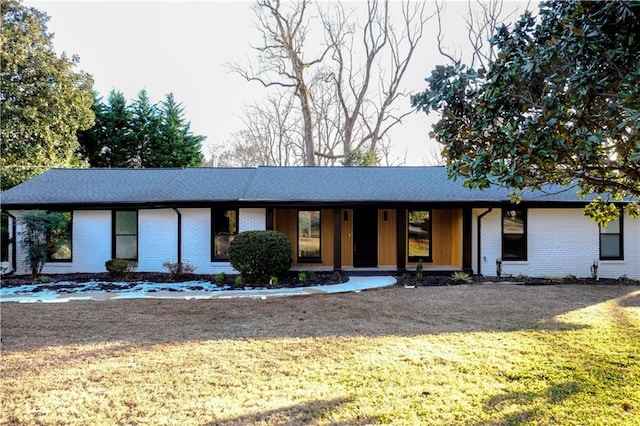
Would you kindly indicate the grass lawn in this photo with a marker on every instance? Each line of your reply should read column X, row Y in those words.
column 461, row 355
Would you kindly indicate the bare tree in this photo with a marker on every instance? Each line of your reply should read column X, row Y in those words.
column 481, row 20
column 284, row 30
column 347, row 93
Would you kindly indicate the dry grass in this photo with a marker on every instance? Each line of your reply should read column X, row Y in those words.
column 472, row 354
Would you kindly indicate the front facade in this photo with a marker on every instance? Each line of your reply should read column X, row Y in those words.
column 347, row 219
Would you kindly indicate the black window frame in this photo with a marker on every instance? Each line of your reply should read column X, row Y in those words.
column 114, row 235
column 50, row 259
column 429, row 257
column 620, row 235
column 309, row 259
column 214, row 211
column 524, row 234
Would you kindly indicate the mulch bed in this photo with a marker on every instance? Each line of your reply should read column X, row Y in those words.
column 292, row 280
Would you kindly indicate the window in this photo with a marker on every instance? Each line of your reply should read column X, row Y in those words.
column 611, row 240
column 419, row 231
column 514, row 234
column 225, row 228
column 309, row 236
column 125, row 235
column 59, row 240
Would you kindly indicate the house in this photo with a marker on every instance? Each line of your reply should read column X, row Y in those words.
column 340, row 218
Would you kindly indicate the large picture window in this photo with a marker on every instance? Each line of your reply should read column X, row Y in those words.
column 125, row 234
column 514, row 234
column 59, row 240
column 611, row 240
column 309, row 236
column 419, row 236
column 225, row 228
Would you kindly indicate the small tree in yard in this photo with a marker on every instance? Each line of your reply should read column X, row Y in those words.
column 42, row 233
column 260, row 255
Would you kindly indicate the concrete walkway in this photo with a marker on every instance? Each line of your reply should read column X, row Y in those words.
column 354, row 284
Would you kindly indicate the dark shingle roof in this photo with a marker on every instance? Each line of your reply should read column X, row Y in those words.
column 262, row 184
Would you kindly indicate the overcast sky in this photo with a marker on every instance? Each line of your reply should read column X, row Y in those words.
column 182, row 47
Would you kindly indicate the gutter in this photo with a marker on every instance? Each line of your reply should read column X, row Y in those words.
column 480, row 239
column 179, row 260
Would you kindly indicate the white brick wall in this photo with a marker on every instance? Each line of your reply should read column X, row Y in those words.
column 157, row 239
column 252, row 220
column 560, row 242
column 91, row 244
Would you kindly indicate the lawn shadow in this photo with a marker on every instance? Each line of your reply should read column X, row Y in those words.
column 395, row 311
column 294, row 415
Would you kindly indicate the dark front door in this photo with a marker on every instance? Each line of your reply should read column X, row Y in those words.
column 365, row 237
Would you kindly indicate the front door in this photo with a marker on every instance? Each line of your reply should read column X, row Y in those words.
column 365, row 237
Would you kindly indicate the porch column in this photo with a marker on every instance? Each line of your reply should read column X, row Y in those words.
column 337, row 239
column 466, row 238
column 401, row 238
column 268, row 225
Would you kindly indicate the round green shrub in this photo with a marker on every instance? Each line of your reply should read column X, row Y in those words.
column 259, row 255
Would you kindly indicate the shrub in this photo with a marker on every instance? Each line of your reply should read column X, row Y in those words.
column 461, row 277
column 273, row 281
column 119, row 268
column 259, row 255
column 419, row 270
column 219, row 278
column 42, row 233
column 302, row 277
column 178, row 270
column 311, row 274
column 238, row 281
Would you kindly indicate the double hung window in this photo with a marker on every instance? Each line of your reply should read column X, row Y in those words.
column 514, row 234
column 125, row 234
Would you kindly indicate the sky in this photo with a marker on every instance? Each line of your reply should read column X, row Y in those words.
column 184, row 47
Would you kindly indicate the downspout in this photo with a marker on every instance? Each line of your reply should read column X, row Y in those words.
column 480, row 239
column 179, row 260
column 14, row 264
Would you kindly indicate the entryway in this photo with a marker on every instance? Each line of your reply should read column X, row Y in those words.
column 365, row 237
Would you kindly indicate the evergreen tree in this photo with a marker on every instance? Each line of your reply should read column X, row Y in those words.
column 140, row 135
column 175, row 145
column 145, row 124
column 44, row 100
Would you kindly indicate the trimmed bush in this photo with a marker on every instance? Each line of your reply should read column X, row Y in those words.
column 259, row 255
column 119, row 268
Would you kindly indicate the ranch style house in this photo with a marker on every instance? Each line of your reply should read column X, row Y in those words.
column 337, row 218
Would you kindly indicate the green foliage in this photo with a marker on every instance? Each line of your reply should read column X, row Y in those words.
column 44, row 100
column 273, row 281
column 361, row 158
column 461, row 278
column 119, row 268
column 179, row 270
column 239, row 281
column 311, row 274
column 560, row 104
column 219, row 278
column 42, row 233
column 140, row 135
column 302, row 277
column 259, row 255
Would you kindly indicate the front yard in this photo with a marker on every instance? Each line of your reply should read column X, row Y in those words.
column 467, row 354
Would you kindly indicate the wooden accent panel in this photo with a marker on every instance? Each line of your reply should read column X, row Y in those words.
column 446, row 227
column 456, row 237
column 347, row 237
column 387, row 231
column 286, row 221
